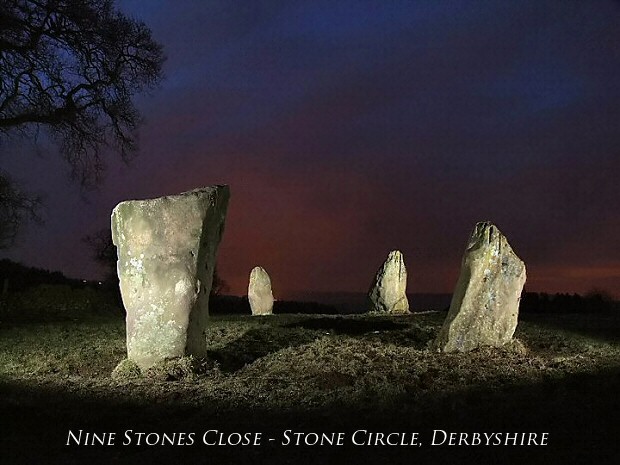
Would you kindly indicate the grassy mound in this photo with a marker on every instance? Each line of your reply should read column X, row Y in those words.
column 316, row 373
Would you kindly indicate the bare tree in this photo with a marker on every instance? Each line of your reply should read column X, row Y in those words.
column 103, row 249
column 218, row 286
column 104, row 253
column 15, row 206
column 72, row 67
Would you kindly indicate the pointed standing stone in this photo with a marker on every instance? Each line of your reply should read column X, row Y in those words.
column 389, row 291
column 259, row 292
column 166, row 255
column 485, row 303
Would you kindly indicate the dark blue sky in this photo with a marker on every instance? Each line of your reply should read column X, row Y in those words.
column 349, row 128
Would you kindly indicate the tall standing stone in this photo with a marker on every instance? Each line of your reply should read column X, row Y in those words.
column 388, row 292
column 485, row 304
column 259, row 292
column 166, row 256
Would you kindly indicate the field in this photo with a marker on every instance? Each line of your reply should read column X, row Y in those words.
column 311, row 374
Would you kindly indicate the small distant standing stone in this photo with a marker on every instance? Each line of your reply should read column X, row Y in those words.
column 388, row 292
column 485, row 304
column 259, row 292
column 166, row 256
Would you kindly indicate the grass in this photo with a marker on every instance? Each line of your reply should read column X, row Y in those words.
column 312, row 373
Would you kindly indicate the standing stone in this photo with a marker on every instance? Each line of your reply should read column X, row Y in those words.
column 166, row 255
column 389, row 291
column 485, row 304
column 259, row 292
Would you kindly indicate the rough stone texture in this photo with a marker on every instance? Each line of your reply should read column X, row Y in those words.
column 485, row 304
column 166, row 255
column 259, row 292
column 389, row 290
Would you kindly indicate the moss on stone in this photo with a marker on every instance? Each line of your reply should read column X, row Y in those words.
column 127, row 369
column 185, row 368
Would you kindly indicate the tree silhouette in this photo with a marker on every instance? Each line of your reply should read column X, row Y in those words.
column 14, row 207
column 72, row 67
column 104, row 253
column 218, row 286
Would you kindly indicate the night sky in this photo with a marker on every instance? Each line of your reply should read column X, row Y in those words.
column 346, row 129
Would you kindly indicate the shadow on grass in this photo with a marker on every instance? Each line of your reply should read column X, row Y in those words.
column 257, row 343
column 579, row 412
column 348, row 326
column 602, row 327
column 262, row 341
column 388, row 331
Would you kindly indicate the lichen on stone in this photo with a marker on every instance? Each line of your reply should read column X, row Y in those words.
column 485, row 303
column 166, row 249
column 388, row 292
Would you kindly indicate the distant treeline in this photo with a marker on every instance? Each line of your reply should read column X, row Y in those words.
column 592, row 302
column 15, row 277
column 531, row 302
column 233, row 305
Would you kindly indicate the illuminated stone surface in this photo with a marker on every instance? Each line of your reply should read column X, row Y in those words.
column 259, row 292
column 166, row 255
column 485, row 303
column 389, row 290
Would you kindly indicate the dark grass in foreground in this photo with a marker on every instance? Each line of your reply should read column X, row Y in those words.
column 318, row 373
